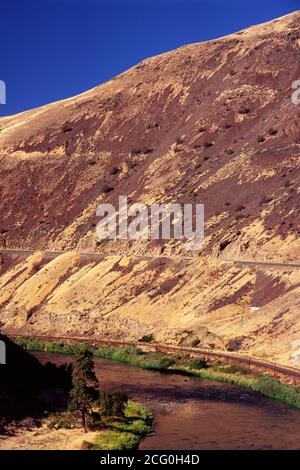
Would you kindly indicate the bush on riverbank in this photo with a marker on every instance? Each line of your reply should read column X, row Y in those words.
column 256, row 381
column 136, row 357
column 113, row 433
column 124, row 434
column 113, row 440
column 275, row 389
column 138, row 420
column 112, row 403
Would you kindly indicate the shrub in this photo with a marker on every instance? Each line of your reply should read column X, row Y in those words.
column 195, row 342
column 208, row 144
column 235, row 344
column 272, row 131
column 199, row 363
column 113, row 404
column 93, row 421
column 146, row 339
column 244, row 110
column 272, row 388
column 138, row 426
column 62, row 421
column 114, row 440
column 165, row 362
column 114, row 171
column 107, row 189
column 233, row 369
column 135, row 410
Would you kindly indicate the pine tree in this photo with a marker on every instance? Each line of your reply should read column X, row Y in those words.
column 85, row 385
column 113, row 404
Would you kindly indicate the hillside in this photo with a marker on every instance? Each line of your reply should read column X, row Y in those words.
column 26, row 384
column 211, row 123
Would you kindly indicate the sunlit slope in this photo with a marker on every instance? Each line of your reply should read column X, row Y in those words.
column 210, row 123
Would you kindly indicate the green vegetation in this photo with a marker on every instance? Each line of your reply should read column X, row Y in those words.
column 125, row 434
column 113, row 440
column 113, row 432
column 256, row 381
column 113, row 404
column 138, row 420
column 138, row 427
column 198, row 363
column 231, row 374
column 61, row 420
column 121, row 424
column 85, row 390
column 127, row 355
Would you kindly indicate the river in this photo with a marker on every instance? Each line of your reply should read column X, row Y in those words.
column 190, row 413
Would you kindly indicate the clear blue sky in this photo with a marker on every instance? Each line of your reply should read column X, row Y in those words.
column 53, row 49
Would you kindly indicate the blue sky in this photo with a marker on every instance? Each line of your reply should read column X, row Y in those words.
column 53, row 49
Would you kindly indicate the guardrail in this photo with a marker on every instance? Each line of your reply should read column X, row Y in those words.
column 281, row 372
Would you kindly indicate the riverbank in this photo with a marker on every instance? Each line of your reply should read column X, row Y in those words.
column 56, row 433
column 177, row 363
column 123, row 434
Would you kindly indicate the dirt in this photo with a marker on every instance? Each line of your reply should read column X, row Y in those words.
column 43, row 438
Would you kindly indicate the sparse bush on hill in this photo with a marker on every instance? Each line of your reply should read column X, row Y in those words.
column 235, row 344
column 244, row 110
column 146, row 339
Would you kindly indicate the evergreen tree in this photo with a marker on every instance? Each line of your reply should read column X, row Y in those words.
column 113, row 404
column 85, row 385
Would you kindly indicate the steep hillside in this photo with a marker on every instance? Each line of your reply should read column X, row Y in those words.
column 216, row 304
column 212, row 123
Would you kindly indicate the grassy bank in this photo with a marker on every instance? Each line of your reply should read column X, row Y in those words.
column 230, row 374
column 62, row 430
column 123, row 434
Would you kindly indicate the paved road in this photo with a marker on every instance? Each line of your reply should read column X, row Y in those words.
column 274, row 264
column 95, row 255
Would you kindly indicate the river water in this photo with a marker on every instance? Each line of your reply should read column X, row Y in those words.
column 190, row 413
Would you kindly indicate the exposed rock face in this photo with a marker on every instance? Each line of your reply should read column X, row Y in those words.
column 212, row 123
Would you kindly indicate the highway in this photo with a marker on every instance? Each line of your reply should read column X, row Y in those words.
column 100, row 256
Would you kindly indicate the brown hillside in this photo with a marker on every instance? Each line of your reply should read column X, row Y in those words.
column 211, row 123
